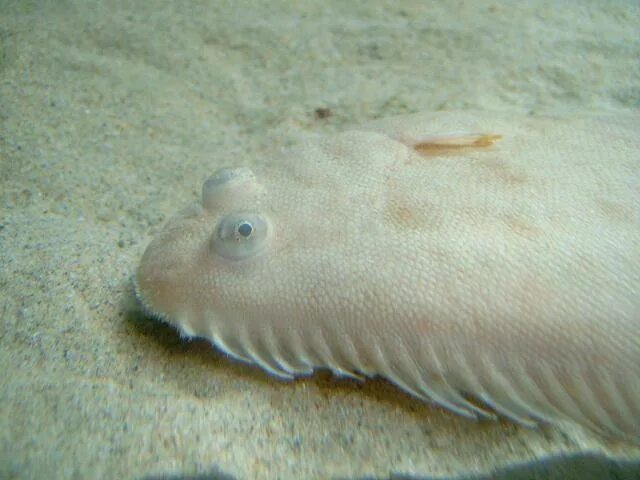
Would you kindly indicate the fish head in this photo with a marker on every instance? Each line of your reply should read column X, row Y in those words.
column 281, row 246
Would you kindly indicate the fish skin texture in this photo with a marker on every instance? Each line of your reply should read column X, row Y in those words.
column 489, row 263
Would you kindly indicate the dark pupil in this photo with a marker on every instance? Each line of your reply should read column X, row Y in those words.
column 245, row 229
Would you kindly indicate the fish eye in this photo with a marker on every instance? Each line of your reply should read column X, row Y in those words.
column 240, row 235
column 245, row 229
column 226, row 185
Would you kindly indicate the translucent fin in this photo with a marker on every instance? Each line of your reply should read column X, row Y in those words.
column 621, row 403
column 559, row 397
column 500, row 392
column 406, row 373
column 524, row 381
column 326, row 356
column 617, row 401
column 526, row 394
column 592, row 407
column 293, row 355
column 352, row 360
column 400, row 376
column 264, row 360
column 438, row 393
column 230, row 350
column 261, row 350
column 445, row 394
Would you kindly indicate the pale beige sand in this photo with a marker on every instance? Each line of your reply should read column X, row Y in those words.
column 113, row 113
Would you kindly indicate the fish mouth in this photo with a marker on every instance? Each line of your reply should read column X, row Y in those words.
column 151, row 287
column 161, row 299
column 162, row 280
column 166, row 296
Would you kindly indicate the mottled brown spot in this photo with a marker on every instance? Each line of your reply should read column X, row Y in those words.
column 615, row 211
column 502, row 172
column 401, row 211
column 401, row 215
column 521, row 227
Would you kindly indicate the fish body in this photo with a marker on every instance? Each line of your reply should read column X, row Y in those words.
column 474, row 259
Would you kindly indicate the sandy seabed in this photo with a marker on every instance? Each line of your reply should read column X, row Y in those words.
column 112, row 114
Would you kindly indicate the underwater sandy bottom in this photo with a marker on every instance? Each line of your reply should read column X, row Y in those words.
column 111, row 116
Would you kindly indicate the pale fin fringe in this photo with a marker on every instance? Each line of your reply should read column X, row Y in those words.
column 439, row 393
column 498, row 392
column 618, row 403
column 524, row 381
column 269, row 351
column 326, row 356
column 443, row 392
column 558, row 396
column 526, row 395
column 260, row 350
column 400, row 379
column 233, row 345
column 350, row 354
column 590, row 406
column 517, row 395
column 622, row 403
